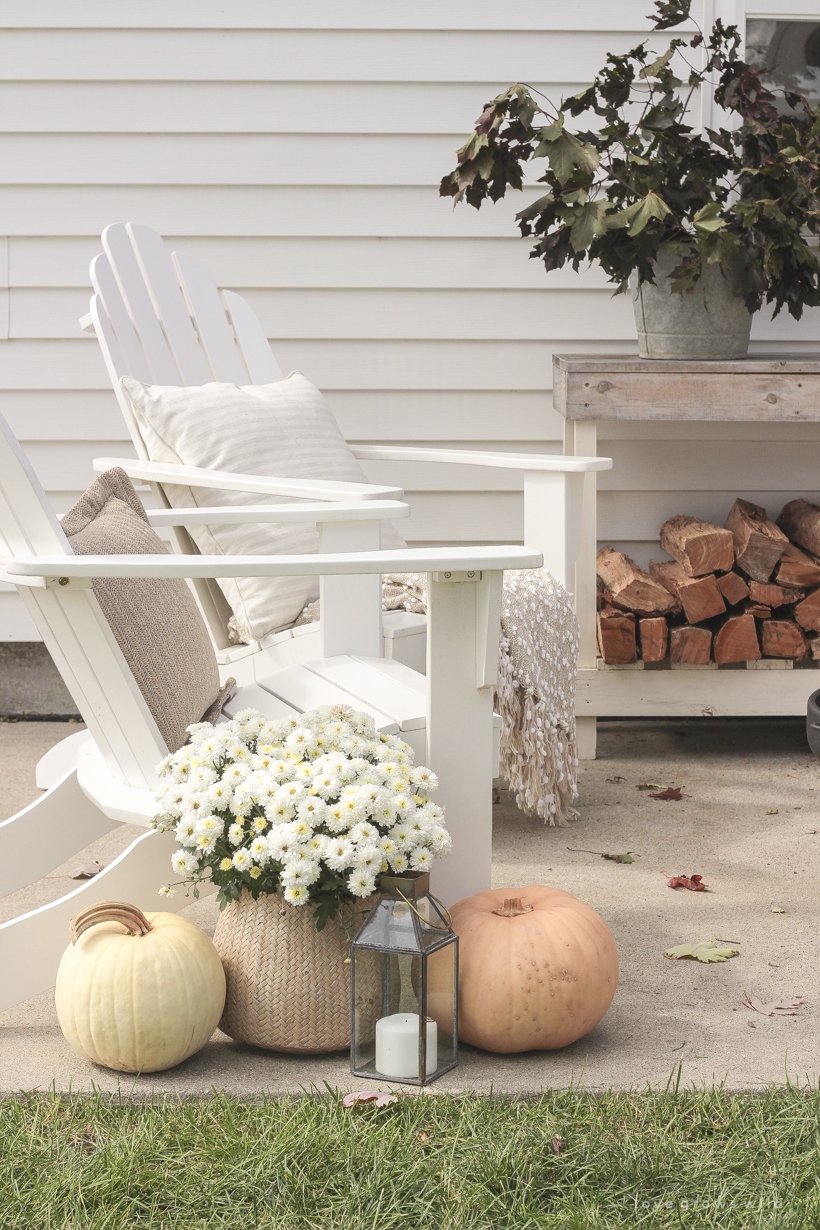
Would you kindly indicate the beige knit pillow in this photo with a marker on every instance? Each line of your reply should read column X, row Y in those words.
column 156, row 623
column 283, row 430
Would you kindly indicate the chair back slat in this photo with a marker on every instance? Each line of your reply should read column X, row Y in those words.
column 74, row 629
column 169, row 303
column 134, row 362
column 117, row 246
column 205, row 306
column 251, row 339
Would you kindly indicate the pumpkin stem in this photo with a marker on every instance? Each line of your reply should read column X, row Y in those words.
column 109, row 911
column 511, row 907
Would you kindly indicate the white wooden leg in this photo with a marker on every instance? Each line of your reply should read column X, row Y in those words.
column 31, row 946
column 459, row 737
column 47, row 832
column 587, row 737
column 581, row 439
column 351, row 606
column 59, row 759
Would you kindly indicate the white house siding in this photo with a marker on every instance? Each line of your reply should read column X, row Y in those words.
column 296, row 146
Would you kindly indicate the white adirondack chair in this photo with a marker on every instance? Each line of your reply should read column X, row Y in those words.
column 110, row 777
column 161, row 319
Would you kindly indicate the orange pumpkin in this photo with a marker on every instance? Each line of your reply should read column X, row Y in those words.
column 537, row 969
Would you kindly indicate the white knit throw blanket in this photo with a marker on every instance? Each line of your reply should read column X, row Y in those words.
column 535, row 696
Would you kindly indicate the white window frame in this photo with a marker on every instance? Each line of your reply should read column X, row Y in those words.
column 736, row 12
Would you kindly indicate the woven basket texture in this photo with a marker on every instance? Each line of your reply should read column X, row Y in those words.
column 288, row 985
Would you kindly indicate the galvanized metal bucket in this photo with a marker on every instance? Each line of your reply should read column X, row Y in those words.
column 710, row 321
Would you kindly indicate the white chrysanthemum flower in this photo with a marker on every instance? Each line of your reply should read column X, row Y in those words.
column 165, row 765
column 424, row 779
column 201, row 777
column 420, row 822
column 384, row 815
column 403, row 804
column 239, row 753
column 439, row 840
column 184, row 863
column 388, row 846
column 259, row 824
column 210, row 826
column 274, row 733
column 390, row 770
column 353, row 811
column 281, row 842
column 337, row 852
column 290, row 792
column 403, row 836
column 421, row 859
column 236, row 834
column 435, row 812
column 219, row 796
column 368, row 857
column 196, row 804
column 280, row 812
column 259, row 850
column 327, row 784
column 302, row 740
column 303, row 773
column 205, row 842
column 241, row 807
column 361, row 883
column 242, row 859
column 336, row 818
column 371, row 793
column 364, row 832
column 166, row 891
column 316, row 844
column 398, row 862
column 185, row 831
column 301, row 828
column 296, row 894
column 306, row 871
column 312, row 809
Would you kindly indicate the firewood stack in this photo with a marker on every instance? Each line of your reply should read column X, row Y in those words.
column 748, row 591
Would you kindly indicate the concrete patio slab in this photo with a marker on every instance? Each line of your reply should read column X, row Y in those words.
column 749, row 823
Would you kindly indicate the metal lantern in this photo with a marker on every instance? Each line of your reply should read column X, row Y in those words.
column 404, row 986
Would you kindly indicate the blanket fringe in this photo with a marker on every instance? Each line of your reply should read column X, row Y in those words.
column 539, row 758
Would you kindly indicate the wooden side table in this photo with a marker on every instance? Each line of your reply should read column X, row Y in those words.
column 591, row 388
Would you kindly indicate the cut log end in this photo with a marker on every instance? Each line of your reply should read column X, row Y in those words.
column 759, row 543
column 733, row 588
column 700, row 597
column 616, row 637
column 781, row 638
column 736, row 641
column 700, row 548
column 653, row 635
column 692, row 645
column 630, row 587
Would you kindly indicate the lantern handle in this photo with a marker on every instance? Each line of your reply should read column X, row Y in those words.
column 427, row 923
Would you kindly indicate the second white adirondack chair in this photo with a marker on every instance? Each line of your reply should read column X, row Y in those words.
column 111, row 777
column 162, row 320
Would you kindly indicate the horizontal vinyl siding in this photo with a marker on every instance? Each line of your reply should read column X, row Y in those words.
column 296, row 146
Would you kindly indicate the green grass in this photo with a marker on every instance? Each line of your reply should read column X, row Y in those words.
column 700, row 1159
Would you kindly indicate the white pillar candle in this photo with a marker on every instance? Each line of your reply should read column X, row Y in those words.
column 397, row 1046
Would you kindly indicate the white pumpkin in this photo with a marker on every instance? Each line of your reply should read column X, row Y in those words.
column 138, row 992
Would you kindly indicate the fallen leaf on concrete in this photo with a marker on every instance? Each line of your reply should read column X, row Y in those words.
column 615, row 780
column 613, row 858
column 672, row 794
column 778, row 909
column 645, row 785
column 706, row 951
column 88, row 872
column 772, row 811
column 695, row 883
column 369, row 1095
column 777, row 1007
column 558, row 1144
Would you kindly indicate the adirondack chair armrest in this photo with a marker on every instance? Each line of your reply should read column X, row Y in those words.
column 447, row 562
column 543, row 462
column 553, row 493
column 196, row 476
column 262, row 514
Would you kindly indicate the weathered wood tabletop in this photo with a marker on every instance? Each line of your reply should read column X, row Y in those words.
column 761, row 389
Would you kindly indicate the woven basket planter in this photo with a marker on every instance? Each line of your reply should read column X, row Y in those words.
column 288, row 985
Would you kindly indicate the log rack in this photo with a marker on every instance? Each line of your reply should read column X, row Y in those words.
column 588, row 389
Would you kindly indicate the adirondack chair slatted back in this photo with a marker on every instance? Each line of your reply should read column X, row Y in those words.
column 74, row 629
column 162, row 320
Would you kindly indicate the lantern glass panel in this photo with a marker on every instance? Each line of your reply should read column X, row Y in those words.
column 441, row 1000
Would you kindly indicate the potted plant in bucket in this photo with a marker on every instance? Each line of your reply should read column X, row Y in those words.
column 294, row 820
column 703, row 227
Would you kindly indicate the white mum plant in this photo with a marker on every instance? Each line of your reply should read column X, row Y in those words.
column 312, row 808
